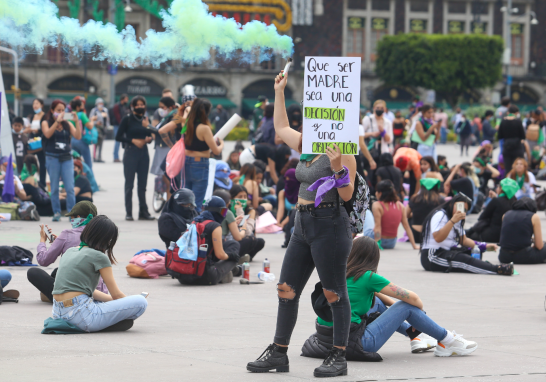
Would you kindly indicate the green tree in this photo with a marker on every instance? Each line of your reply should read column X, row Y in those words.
column 446, row 63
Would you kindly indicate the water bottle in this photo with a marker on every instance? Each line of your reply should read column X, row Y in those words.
column 171, row 247
column 267, row 267
column 476, row 253
column 246, row 271
column 268, row 277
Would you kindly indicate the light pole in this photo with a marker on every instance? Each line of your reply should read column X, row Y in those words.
column 16, row 91
column 112, row 17
column 508, row 50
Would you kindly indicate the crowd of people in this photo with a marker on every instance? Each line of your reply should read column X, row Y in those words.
column 308, row 196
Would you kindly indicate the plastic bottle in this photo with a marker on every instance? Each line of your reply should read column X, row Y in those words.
column 268, row 277
column 246, row 271
column 267, row 266
column 171, row 247
column 476, row 253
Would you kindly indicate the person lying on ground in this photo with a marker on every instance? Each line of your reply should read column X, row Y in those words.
column 80, row 216
column 75, row 297
column 521, row 235
column 445, row 247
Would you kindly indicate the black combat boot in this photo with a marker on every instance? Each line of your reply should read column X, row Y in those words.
column 273, row 358
column 334, row 365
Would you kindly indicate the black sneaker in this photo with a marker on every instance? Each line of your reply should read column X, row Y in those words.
column 145, row 216
column 129, row 218
column 237, row 271
column 506, row 269
column 271, row 359
column 334, row 365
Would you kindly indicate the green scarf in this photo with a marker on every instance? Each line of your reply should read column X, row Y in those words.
column 380, row 246
column 82, row 244
column 509, row 187
column 520, row 180
column 307, row 157
column 242, row 180
column 244, row 204
column 25, row 173
column 430, row 183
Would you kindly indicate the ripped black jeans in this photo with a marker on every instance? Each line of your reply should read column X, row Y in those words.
column 322, row 238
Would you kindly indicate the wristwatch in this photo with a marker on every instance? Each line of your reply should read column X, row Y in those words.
column 341, row 172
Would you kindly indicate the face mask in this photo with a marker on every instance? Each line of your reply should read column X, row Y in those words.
column 162, row 113
column 76, row 222
column 379, row 112
column 38, row 111
column 234, row 202
column 56, row 115
column 477, row 170
column 140, row 110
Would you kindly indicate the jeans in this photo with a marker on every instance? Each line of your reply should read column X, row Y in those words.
column 529, row 255
column 116, row 144
column 5, row 277
column 84, row 150
column 393, row 319
column 136, row 162
column 369, row 225
column 322, row 238
column 197, row 178
column 380, row 307
column 426, row 150
column 58, row 170
column 388, row 243
column 93, row 316
column 443, row 135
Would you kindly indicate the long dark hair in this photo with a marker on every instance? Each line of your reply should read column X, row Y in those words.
column 237, row 188
column 48, row 117
column 446, row 208
column 388, row 193
column 249, row 171
column 199, row 112
column 364, row 257
column 430, row 161
column 427, row 196
column 101, row 234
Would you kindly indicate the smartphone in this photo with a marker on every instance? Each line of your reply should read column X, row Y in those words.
column 242, row 223
column 48, row 234
column 68, row 117
column 145, row 294
column 460, row 207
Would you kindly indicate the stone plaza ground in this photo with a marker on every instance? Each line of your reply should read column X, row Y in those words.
column 210, row 333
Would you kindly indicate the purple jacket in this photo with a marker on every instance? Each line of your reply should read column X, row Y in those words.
column 67, row 239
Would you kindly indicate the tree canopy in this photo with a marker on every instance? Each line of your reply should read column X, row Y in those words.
column 449, row 64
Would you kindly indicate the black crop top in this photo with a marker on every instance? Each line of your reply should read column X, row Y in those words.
column 196, row 144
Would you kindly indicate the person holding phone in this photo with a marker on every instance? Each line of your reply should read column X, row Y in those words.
column 426, row 132
column 58, row 151
column 445, row 247
column 133, row 131
column 80, row 215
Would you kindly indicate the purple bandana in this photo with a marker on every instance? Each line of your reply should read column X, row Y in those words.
column 323, row 185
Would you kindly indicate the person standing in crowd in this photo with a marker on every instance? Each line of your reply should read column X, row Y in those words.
column 57, row 132
column 442, row 117
column 488, row 130
column 87, row 125
column 218, row 117
column 387, row 171
column 426, row 132
column 79, row 272
column 444, row 246
column 378, row 128
column 512, row 133
column 519, row 226
column 477, row 127
column 102, row 122
column 464, row 130
column 322, row 239
column 20, row 142
column 421, row 204
column 134, row 132
column 257, row 116
column 177, row 214
column 502, row 110
column 267, row 129
column 166, row 112
column 79, row 216
column 398, row 127
column 199, row 142
column 263, row 152
column 372, row 165
column 488, row 226
column 388, row 213
column 35, row 131
column 119, row 111
column 158, row 114
column 525, row 179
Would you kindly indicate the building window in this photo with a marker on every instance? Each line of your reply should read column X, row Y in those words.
column 419, row 6
column 418, row 26
column 355, row 36
column 480, row 8
column 357, row 4
column 517, row 44
column 380, row 5
column 478, row 27
column 456, row 7
column 455, row 27
column 380, row 28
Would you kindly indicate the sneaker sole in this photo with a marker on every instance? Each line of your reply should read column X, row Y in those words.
column 462, row 352
column 422, row 347
column 328, row 375
column 278, row 369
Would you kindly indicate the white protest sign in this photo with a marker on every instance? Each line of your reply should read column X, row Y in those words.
column 331, row 104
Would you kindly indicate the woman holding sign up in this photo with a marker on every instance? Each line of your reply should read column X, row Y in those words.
column 426, row 132
column 322, row 239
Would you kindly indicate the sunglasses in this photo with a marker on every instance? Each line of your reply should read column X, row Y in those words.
column 221, row 210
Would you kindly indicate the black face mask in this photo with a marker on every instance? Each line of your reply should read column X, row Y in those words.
column 379, row 112
column 140, row 110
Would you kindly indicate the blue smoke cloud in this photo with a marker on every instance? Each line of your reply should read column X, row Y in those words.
column 190, row 34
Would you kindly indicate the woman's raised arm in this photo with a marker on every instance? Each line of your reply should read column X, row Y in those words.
column 280, row 118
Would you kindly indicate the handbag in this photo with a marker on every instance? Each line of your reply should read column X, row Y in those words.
column 417, row 139
column 90, row 137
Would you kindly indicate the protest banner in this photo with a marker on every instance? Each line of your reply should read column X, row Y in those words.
column 331, row 104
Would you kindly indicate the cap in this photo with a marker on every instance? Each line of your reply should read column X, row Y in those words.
column 214, row 202
column 262, row 98
column 99, row 100
column 83, row 208
column 320, row 303
column 184, row 196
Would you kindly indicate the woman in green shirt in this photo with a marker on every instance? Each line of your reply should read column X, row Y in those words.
column 365, row 287
column 75, row 298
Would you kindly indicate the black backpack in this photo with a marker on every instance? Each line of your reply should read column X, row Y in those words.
column 359, row 203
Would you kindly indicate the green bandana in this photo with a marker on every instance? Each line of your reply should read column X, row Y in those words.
column 25, row 173
column 520, row 180
column 379, row 245
column 242, row 180
column 307, row 157
column 441, row 167
column 480, row 161
column 243, row 202
column 430, row 183
column 509, row 187
column 82, row 244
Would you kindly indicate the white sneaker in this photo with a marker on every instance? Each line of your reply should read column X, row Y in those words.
column 459, row 346
column 423, row 342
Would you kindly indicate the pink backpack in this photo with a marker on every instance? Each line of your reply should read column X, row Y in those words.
column 148, row 265
column 176, row 159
